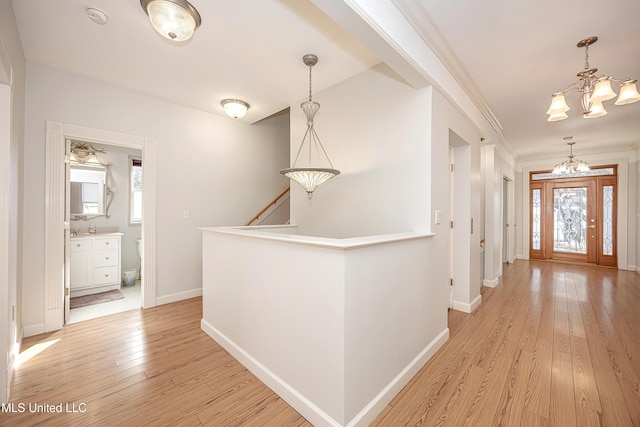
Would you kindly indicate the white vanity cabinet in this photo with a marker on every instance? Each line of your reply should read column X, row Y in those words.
column 95, row 263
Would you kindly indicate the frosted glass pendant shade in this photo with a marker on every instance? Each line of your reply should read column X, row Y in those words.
column 597, row 110
column 603, row 91
column 310, row 178
column 175, row 20
column 628, row 93
column 557, row 116
column 558, row 104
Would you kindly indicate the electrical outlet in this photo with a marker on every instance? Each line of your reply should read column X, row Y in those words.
column 185, row 214
column 438, row 216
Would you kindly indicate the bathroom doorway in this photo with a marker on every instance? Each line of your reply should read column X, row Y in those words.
column 57, row 229
column 104, row 212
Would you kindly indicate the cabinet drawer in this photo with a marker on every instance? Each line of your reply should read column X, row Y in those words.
column 106, row 258
column 81, row 245
column 102, row 244
column 106, row 275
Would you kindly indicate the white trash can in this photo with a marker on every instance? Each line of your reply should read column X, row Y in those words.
column 129, row 277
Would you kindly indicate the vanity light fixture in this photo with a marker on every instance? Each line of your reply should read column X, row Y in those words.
column 310, row 177
column 235, row 108
column 84, row 153
column 593, row 90
column 175, row 20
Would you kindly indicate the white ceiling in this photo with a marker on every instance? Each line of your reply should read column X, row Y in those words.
column 517, row 52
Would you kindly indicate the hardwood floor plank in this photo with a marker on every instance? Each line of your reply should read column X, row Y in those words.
column 562, row 411
column 512, row 398
column 584, row 381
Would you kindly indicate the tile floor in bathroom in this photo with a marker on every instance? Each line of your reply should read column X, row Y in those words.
column 131, row 301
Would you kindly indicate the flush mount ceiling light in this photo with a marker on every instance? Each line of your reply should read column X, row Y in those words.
column 310, row 177
column 235, row 108
column 175, row 20
column 571, row 165
column 593, row 90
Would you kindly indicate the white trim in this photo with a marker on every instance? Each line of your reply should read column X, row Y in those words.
column 378, row 403
column 31, row 330
column 491, row 283
column 466, row 307
column 304, row 406
column 6, row 323
column 56, row 133
column 168, row 299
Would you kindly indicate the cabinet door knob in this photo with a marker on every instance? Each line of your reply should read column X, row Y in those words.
column 106, row 257
column 107, row 243
column 106, row 275
column 78, row 245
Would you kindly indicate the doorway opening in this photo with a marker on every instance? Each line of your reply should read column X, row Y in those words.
column 104, row 210
column 574, row 218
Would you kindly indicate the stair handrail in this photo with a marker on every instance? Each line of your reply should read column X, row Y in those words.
column 273, row 202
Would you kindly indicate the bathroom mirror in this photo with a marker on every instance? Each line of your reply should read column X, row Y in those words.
column 90, row 191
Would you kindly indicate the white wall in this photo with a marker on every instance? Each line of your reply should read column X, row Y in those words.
column 200, row 159
column 118, row 160
column 385, row 183
column 12, row 72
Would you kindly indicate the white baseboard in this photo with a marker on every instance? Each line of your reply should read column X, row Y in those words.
column 168, row 299
column 308, row 409
column 300, row 403
column 491, row 283
column 31, row 330
column 375, row 407
column 467, row 307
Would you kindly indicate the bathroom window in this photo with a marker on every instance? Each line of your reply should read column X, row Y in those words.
column 135, row 188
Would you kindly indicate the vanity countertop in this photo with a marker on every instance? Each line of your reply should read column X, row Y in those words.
column 81, row 235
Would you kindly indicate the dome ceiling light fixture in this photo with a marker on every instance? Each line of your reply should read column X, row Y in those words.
column 571, row 165
column 310, row 177
column 175, row 20
column 593, row 90
column 235, row 108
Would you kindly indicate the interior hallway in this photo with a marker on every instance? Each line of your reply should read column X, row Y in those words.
column 554, row 344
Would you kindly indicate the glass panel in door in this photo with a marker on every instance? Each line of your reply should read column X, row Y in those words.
column 570, row 220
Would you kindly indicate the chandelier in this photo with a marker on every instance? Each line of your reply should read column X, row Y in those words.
column 310, row 177
column 571, row 165
column 593, row 90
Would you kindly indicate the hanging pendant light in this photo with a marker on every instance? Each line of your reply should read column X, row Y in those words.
column 310, row 177
column 593, row 90
column 572, row 165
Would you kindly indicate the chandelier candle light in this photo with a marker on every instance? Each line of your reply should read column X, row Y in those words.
column 571, row 165
column 310, row 177
column 593, row 90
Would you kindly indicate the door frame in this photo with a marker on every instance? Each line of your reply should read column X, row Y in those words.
column 56, row 226
column 595, row 185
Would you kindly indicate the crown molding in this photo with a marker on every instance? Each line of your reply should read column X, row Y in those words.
column 418, row 17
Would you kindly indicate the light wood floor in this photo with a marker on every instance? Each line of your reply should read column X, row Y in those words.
column 554, row 344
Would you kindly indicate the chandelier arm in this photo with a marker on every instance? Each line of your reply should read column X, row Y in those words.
column 567, row 90
column 322, row 146
column 301, row 145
